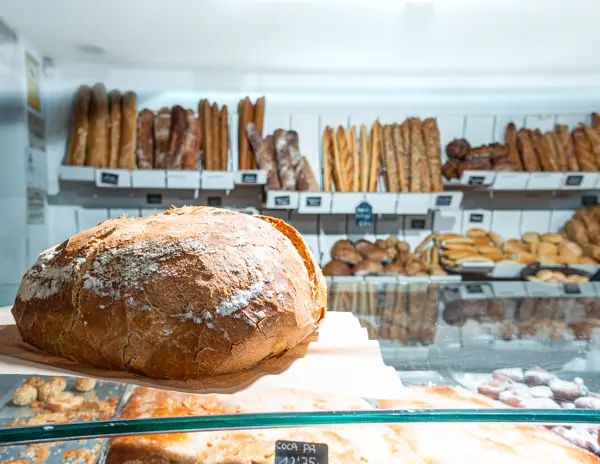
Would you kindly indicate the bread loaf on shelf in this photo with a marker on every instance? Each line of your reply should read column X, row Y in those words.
column 365, row 157
column 99, row 127
column 418, row 172
column 390, row 160
column 594, row 138
column 162, row 130
column 205, row 111
column 145, row 142
column 128, row 131
column 346, row 159
column 284, row 161
column 337, row 168
column 291, row 137
column 327, row 164
column 510, row 137
column 245, row 117
column 375, row 157
column 528, row 155
column 431, row 135
column 191, row 158
column 223, row 138
column 109, row 292
column 178, row 128
column 115, row 128
column 583, row 151
column 80, row 127
column 402, row 159
column 265, row 155
column 565, row 147
column 305, row 177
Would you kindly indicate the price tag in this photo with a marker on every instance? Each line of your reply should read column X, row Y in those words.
column 443, row 200
column 476, row 180
column 215, row 201
column 314, row 202
column 574, row 181
column 299, row 452
column 282, row 201
column 589, row 200
column 476, row 218
column 154, row 198
column 571, row 288
column 474, row 289
column 249, row 178
column 109, row 178
column 418, row 224
column 364, row 215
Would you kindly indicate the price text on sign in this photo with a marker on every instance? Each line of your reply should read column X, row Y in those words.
column 474, row 288
column 571, row 289
column 249, row 178
column 476, row 180
column 154, row 198
column 109, row 178
column 298, row 452
column 364, row 215
column 476, row 218
column 443, row 200
column 574, row 181
column 418, row 224
column 282, row 201
column 313, row 201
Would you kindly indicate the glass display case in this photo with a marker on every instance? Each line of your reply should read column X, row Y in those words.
column 495, row 366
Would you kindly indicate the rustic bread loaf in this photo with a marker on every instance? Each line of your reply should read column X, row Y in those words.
column 185, row 294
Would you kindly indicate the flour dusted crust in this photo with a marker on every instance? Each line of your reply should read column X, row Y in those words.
column 370, row 443
column 189, row 293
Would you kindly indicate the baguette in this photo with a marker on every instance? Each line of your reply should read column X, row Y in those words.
column 216, row 141
column 547, row 160
column 178, row 128
column 305, row 176
column 145, row 140
column 355, row 161
column 364, row 159
column 200, row 133
column 128, row 131
column 326, row 160
column 594, row 138
column 207, row 135
column 345, row 159
column 419, row 177
column 251, row 159
column 389, row 157
column 565, row 147
column 79, row 132
column 510, row 137
column 292, row 140
column 338, row 176
column 245, row 117
column 530, row 159
column 558, row 149
column 98, row 135
column 284, row 161
column 265, row 155
column 223, row 138
column 162, row 130
column 550, row 147
column 433, row 153
column 190, row 143
column 259, row 114
column 115, row 128
column 596, row 121
column 583, row 151
column 402, row 159
column 375, row 156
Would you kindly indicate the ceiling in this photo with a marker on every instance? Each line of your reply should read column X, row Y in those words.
column 368, row 36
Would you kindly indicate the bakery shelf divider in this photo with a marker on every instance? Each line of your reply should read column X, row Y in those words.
column 477, row 178
column 178, row 179
column 346, row 202
column 545, row 180
column 446, row 200
column 113, row 178
column 77, row 173
column 282, row 199
column 149, row 178
column 543, row 289
column 314, row 202
column 510, row 181
column 506, row 271
column 509, row 289
column 251, row 177
column 383, row 203
column 217, row 180
column 413, row 203
column 580, row 181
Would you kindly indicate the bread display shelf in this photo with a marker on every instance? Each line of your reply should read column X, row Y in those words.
column 534, row 181
column 393, row 279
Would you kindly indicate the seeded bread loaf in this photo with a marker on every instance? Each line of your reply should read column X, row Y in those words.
column 186, row 294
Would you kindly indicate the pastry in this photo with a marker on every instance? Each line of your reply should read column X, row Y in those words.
column 390, row 161
column 227, row 268
column 528, row 155
column 52, row 387
column 510, row 137
column 431, row 135
column 175, row 149
column 98, row 129
column 337, row 268
column 35, row 381
column 458, row 148
column 79, row 131
column 375, row 157
column 162, row 130
column 565, row 149
column 583, row 151
column 284, row 161
column 115, row 128
column 145, row 140
column 25, row 395
column 84, row 384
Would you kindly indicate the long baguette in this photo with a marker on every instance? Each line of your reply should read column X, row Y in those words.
column 265, row 155
column 326, row 160
column 245, row 117
column 583, row 151
column 305, row 176
column 433, row 153
column 223, row 138
column 389, row 156
column 594, row 138
column 207, row 134
column 291, row 138
column 375, row 157
column 365, row 156
column 510, row 137
column 128, row 131
column 162, row 130
column 178, row 128
column 355, row 161
column 145, row 140
column 565, row 147
column 401, row 159
column 345, row 159
column 190, row 142
column 259, row 114
column 79, row 132
column 284, row 161
column 596, row 121
column 251, row 159
column 546, row 161
column 216, row 140
column 550, row 142
column 528, row 155
column 115, row 128
column 99, row 126
column 417, row 177
column 338, row 176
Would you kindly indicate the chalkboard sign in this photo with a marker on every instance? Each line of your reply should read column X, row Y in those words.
column 574, row 181
column 109, row 178
column 476, row 180
column 474, row 289
column 418, row 224
column 215, row 201
column 589, row 200
column 364, row 215
column 571, row 289
column 476, row 218
column 443, row 200
column 283, row 201
column 249, row 178
column 299, row 452
column 154, row 198
column 314, row 202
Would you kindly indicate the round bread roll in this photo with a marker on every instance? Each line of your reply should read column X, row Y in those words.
column 531, row 237
column 85, row 384
column 337, row 268
column 364, row 246
column 189, row 293
column 380, row 255
column 393, row 269
column 368, row 268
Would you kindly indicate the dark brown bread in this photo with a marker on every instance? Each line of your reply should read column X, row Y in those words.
column 433, row 152
column 145, row 143
column 291, row 138
column 596, row 121
column 162, row 131
column 223, row 138
column 565, row 147
column 284, row 161
column 128, row 131
column 528, row 155
column 99, row 127
column 245, row 117
column 115, row 128
column 216, row 148
column 510, row 138
column 191, row 157
column 265, row 158
column 583, row 151
column 247, row 288
column 207, row 135
column 390, row 160
column 419, row 174
column 305, row 177
column 79, row 131
column 178, row 128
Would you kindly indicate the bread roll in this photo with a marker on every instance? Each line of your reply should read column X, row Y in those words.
column 99, row 127
column 79, row 132
column 189, row 293
column 115, row 128
column 337, row 268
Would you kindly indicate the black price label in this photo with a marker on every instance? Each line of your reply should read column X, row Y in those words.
column 418, row 224
column 476, row 180
column 299, row 452
column 364, row 215
column 154, row 198
column 474, row 289
column 314, row 202
column 571, row 289
column 589, row 200
column 443, row 200
column 249, row 178
column 109, row 178
column 574, row 181
column 476, row 218
column 215, row 201
column 282, row 201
